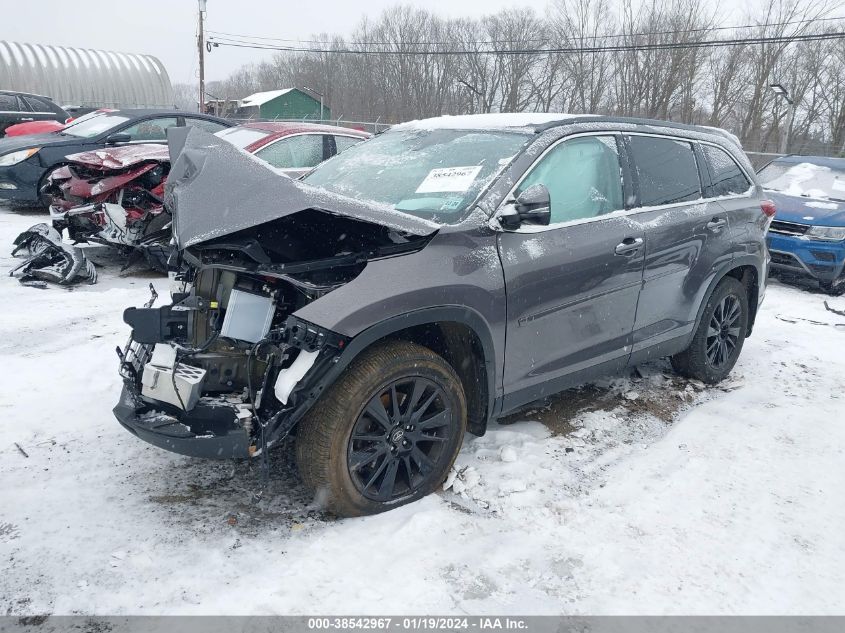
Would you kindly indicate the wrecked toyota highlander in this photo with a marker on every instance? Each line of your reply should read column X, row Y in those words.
column 435, row 277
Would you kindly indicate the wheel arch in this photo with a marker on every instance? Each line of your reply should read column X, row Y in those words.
column 457, row 333
column 747, row 271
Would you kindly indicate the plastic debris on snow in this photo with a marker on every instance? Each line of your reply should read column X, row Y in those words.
column 47, row 258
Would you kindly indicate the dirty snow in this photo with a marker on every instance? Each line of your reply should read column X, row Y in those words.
column 683, row 499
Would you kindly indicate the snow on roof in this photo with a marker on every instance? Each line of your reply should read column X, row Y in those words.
column 496, row 120
column 260, row 98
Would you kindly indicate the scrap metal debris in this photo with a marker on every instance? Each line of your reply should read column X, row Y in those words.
column 47, row 258
column 829, row 309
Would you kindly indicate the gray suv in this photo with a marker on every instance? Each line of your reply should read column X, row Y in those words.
column 428, row 280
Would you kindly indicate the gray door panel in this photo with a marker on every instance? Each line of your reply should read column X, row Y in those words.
column 571, row 299
column 685, row 246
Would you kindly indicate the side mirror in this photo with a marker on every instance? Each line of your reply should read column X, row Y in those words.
column 532, row 206
column 117, row 138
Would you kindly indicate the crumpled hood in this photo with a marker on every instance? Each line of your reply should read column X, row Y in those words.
column 807, row 210
column 215, row 189
column 122, row 156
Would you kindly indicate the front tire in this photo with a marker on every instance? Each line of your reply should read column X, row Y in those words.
column 386, row 433
column 718, row 340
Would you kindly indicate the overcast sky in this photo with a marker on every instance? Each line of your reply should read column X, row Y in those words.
column 167, row 28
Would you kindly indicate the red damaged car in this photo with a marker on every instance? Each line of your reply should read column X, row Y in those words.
column 114, row 196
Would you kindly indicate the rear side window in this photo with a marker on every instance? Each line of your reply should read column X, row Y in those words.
column 726, row 177
column 39, row 105
column 8, row 103
column 294, row 152
column 666, row 170
column 345, row 142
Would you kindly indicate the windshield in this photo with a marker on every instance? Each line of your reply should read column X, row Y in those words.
column 86, row 128
column 241, row 136
column 434, row 174
column 804, row 179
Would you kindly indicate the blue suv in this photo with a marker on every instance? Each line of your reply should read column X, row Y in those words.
column 807, row 237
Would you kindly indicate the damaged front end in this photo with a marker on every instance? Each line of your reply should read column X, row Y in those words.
column 114, row 197
column 228, row 368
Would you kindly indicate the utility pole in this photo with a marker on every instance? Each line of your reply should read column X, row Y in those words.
column 321, row 95
column 781, row 91
column 201, row 49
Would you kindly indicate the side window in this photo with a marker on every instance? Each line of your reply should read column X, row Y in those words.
column 582, row 176
column 8, row 103
column 666, row 170
column 294, row 152
column 203, row 124
column 150, row 130
column 38, row 105
column 345, row 142
column 726, row 176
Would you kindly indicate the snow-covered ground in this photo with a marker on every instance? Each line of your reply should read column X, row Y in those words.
column 640, row 495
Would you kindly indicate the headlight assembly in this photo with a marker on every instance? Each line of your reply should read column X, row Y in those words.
column 826, row 233
column 14, row 158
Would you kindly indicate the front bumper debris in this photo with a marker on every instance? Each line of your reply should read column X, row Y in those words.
column 209, row 431
column 50, row 259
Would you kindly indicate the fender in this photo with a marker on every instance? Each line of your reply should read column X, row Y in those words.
column 323, row 374
column 744, row 260
column 457, row 313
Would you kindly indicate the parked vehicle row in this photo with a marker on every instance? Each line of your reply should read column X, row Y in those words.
column 115, row 196
column 437, row 276
column 111, row 193
column 23, row 107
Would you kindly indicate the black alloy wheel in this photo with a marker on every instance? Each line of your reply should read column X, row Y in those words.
column 385, row 433
column 398, row 439
column 724, row 331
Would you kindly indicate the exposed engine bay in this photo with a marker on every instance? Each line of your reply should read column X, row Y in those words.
column 114, row 197
column 227, row 365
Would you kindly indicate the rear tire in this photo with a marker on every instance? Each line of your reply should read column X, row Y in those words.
column 385, row 433
column 718, row 340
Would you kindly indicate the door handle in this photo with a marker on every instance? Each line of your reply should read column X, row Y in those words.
column 629, row 246
column 715, row 224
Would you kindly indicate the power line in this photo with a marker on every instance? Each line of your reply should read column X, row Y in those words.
column 776, row 39
column 249, row 39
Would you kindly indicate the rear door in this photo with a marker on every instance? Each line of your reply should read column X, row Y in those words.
column 734, row 191
column 572, row 286
column 687, row 237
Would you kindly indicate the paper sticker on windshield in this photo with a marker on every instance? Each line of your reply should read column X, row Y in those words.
column 444, row 179
column 838, row 185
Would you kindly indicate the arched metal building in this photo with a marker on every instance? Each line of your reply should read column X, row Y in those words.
column 84, row 76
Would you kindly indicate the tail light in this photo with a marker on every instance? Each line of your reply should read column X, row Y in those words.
column 768, row 208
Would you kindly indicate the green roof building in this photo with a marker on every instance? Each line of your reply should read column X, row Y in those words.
column 288, row 103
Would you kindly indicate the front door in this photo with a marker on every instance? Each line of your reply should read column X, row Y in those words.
column 572, row 286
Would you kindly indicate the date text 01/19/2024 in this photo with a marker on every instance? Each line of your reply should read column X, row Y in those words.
column 418, row 623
